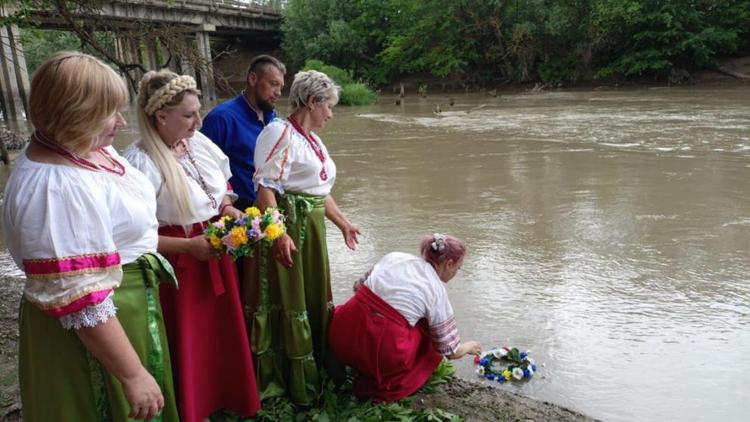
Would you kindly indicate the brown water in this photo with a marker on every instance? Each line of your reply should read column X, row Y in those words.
column 608, row 233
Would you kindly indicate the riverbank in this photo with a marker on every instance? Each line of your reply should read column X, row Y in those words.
column 471, row 401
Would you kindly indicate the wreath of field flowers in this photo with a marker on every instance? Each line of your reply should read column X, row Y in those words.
column 239, row 237
column 492, row 365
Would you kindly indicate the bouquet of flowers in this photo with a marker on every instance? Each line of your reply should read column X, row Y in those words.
column 492, row 364
column 239, row 237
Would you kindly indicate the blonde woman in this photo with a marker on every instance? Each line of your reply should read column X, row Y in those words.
column 81, row 223
column 290, row 299
column 204, row 318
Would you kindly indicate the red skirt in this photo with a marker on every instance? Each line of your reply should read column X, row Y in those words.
column 213, row 367
column 392, row 359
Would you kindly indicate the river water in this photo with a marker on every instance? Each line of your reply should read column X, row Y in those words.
column 608, row 233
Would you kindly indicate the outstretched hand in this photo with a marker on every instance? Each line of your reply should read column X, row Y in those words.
column 350, row 232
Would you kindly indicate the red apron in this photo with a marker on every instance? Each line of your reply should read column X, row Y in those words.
column 392, row 359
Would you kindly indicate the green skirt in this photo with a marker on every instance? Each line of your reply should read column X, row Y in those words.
column 288, row 310
column 60, row 380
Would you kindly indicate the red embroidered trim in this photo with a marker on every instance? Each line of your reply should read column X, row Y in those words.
column 70, row 264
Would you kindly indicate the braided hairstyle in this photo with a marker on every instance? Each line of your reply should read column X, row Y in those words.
column 160, row 90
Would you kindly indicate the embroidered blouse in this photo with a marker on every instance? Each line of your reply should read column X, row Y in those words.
column 70, row 230
column 208, row 164
column 412, row 287
column 285, row 161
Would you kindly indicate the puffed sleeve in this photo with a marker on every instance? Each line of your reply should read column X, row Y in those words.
column 59, row 232
column 140, row 160
column 272, row 159
column 217, row 158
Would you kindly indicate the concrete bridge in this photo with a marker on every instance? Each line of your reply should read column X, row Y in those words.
column 146, row 33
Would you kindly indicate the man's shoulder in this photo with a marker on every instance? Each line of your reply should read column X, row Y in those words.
column 228, row 110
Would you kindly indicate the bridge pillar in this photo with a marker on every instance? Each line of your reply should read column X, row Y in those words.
column 206, row 72
column 151, row 44
column 14, row 82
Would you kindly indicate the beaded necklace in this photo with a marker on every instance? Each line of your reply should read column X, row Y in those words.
column 313, row 144
column 200, row 180
column 76, row 159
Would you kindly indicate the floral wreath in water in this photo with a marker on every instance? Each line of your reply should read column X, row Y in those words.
column 239, row 237
column 492, row 365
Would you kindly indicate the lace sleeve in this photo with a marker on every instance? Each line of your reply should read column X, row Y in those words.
column 89, row 316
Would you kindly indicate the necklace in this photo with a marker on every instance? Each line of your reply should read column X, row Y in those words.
column 200, row 180
column 314, row 145
column 76, row 159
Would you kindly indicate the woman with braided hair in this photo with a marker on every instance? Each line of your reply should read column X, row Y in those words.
column 210, row 351
column 398, row 326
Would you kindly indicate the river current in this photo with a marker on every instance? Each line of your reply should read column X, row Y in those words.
column 608, row 233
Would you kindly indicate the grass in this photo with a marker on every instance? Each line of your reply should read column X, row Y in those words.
column 339, row 404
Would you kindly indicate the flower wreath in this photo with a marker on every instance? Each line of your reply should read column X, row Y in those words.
column 490, row 364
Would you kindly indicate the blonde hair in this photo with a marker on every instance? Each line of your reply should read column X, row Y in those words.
column 163, row 90
column 72, row 96
column 311, row 83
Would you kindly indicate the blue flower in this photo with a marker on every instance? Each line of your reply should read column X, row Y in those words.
column 500, row 379
column 490, row 377
column 533, row 366
column 484, row 361
column 526, row 373
column 523, row 355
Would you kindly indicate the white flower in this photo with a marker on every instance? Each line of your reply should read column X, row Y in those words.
column 518, row 373
column 499, row 353
column 480, row 371
column 531, row 370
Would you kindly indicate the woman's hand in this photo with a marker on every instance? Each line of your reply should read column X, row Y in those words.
column 232, row 212
column 200, row 248
column 283, row 248
column 143, row 394
column 350, row 232
column 469, row 347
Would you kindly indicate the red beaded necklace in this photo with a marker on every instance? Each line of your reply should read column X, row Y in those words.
column 183, row 145
column 76, row 159
column 313, row 144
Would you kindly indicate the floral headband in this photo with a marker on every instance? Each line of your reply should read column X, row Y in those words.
column 438, row 242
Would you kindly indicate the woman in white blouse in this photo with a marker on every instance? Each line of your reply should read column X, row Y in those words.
column 80, row 222
column 398, row 326
column 288, row 288
column 205, row 323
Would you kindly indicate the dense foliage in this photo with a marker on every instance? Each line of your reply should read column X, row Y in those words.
column 488, row 41
column 352, row 93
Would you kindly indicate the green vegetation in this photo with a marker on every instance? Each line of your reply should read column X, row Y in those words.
column 341, row 405
column 39, row 44
column 496, row 41
column 352, row 93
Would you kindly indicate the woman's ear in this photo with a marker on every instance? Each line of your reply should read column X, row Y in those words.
column 160, row 117
column 311, row 103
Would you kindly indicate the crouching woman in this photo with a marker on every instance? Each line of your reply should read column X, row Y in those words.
column 399, row 325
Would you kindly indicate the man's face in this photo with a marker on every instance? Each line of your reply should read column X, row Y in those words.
column 266, row 85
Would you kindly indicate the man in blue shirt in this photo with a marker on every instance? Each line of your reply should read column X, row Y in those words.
column 234, row 125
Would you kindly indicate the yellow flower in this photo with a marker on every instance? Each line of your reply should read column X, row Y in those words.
column 274, row 231
column 215, row 241
column 226, row 219
column 252, row 212
column 507, row 375
column 238, row 236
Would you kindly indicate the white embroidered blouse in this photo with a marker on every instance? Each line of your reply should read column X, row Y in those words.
column 285, row 161
column 208, row 163
column 70, row 229
column 412, row 287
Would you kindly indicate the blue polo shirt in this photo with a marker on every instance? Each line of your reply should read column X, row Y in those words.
column 234, row 127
